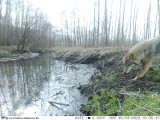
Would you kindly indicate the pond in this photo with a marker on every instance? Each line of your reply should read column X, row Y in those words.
column 42, row 86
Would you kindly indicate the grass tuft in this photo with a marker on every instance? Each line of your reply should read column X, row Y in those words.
column 4, row 53
column 147, row 104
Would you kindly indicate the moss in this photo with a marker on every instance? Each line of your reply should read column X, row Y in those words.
column 106, row 103
column 101, row 92
column 102, row 103
column 60, row 54
column 155, row 72
column 156, row 77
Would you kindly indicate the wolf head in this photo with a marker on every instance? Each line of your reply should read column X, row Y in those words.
column 129, row 61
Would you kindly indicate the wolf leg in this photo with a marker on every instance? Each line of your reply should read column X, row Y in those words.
column 143, row 70
column 127, row 69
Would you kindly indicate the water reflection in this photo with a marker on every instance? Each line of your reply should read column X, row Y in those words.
column 21, row 81
column 41, row 86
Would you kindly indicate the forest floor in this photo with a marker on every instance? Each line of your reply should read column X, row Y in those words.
column 110, row 92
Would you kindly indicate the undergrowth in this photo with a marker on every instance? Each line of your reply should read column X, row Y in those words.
column 105, row 102
column 155, row 72
column 102, row 103
column 109, row 103
column 147, row 104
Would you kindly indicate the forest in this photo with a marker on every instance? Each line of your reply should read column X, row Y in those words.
column 68, row 58
column 107, row 23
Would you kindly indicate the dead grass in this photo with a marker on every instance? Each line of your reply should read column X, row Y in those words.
column 8, row 48
column 4, row 53
column 101, row 50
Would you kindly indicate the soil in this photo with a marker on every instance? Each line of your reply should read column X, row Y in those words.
column 110, row 74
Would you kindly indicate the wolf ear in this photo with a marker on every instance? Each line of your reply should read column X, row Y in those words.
column 132, row 56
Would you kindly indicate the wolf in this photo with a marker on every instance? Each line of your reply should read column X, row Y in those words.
column 141, row 53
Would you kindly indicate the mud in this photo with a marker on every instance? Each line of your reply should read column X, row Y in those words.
column 111, row 77
column 112, row 62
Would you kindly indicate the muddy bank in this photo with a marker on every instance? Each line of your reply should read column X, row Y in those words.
column 109, row 90
column 16, row 56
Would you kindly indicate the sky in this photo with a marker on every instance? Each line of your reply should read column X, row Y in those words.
column 55, row 8
column 84, row 9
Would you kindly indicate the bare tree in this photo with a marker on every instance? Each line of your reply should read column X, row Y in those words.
column 158, row 5
column 106, row 24
column 98, row 23
column 148, row 24
column 94, row 28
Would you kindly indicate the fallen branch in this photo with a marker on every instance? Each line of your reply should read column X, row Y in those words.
column 129, row 93
column 52, row 103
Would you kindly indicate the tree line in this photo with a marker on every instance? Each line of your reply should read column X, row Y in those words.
column 113, row 23
column 23, row 25
column 107, row 23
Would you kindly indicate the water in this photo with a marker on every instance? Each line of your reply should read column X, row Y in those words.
column 42, row 86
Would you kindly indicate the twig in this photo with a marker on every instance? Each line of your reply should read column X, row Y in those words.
column 129, row 93
column 120, row 105
column 54, row 105
column 51, row 102
column 93, row 91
